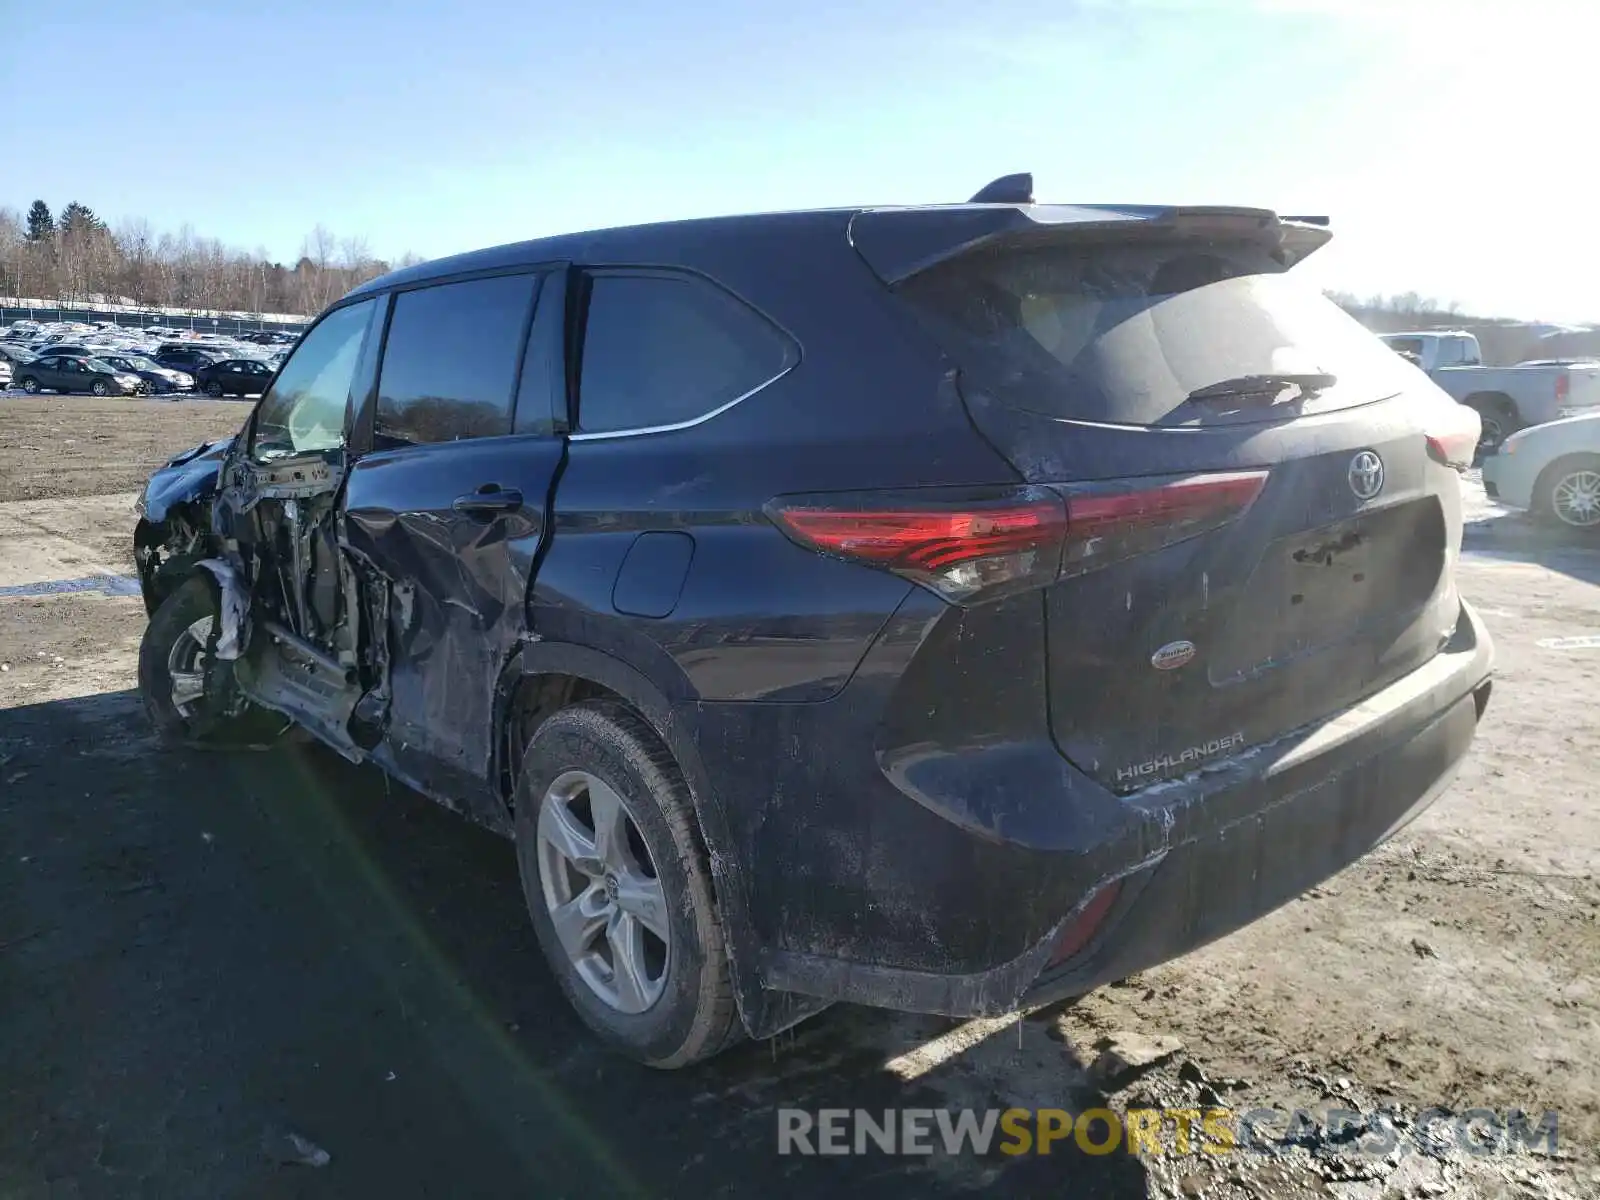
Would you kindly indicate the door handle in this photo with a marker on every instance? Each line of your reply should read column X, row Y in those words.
column 489, row 501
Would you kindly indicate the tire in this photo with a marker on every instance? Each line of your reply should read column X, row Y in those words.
column 194, row 601
column 1562, row 488
column 1500, row 420
column 99, row 388
column 693, row 1015
column 214, row 389
column 29, row 384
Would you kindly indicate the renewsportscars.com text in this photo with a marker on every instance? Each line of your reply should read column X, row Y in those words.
column 1157, row 1131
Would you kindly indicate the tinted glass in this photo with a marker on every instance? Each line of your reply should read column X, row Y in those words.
column 304, row 408
column 661, row 350
column 1124, row 333
column 450, row 362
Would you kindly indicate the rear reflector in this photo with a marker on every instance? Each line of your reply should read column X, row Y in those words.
column 969, row 543
column 1080, row 929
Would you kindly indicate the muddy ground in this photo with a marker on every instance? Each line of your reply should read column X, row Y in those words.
column 204, row 958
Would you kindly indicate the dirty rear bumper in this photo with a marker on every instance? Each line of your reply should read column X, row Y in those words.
column 1234, row 844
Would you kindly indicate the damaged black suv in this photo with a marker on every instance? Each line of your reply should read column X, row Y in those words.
column 949, row 608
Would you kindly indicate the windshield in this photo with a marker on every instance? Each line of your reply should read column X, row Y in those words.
column 100, row 364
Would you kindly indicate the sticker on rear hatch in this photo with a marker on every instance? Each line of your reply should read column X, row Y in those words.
column 1172, row 656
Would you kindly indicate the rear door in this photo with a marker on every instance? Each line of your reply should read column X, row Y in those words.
column 1259, row 531
column 447, row 506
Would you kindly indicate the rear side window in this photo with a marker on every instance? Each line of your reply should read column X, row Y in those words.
column 450, row 362
column 1124, row 332
column 665, row 349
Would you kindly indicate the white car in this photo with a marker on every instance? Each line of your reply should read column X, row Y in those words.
column 1552, row 470
column 5, row 373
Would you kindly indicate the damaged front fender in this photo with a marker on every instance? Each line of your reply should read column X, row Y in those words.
column 234, row 610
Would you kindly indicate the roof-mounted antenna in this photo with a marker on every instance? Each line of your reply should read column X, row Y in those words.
column 1008, row 189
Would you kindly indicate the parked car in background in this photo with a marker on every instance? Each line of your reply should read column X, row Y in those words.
column 67, row 373
column 5, row 373
column 948, row 608
column 71, row 348
column 158, row 379
column 1552, row 470
column 234, row 377
column 187, row 359
column 1506, row 399
column 14, row 355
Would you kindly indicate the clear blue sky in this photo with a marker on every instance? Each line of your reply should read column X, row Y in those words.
column 1450, row 143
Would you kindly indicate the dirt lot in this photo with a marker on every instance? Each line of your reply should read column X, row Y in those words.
column 204, row 958
column 83, row 446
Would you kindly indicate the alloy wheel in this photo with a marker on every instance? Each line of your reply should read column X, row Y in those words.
column 186, row 666
column 602, row 892
column 1575, row 499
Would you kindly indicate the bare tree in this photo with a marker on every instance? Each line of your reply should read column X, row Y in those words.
column 82, row 260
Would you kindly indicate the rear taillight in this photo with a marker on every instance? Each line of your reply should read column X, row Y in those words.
column 958, row 543
column 1119, row 519
column 968, row 543
column 1452, row 437
column 1563, row 387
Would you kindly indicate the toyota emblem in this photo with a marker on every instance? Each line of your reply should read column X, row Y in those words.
column 1366, row 475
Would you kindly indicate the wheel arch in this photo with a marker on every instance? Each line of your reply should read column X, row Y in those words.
column 1497, row 400
column 1540, row 499
column 543, row 677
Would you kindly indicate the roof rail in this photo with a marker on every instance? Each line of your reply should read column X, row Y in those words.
column 1008, row 189
column 1323, row 221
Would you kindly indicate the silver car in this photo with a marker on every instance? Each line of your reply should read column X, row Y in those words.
column 1552, row 470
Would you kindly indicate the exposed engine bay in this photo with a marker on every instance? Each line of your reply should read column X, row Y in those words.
column 298, row 616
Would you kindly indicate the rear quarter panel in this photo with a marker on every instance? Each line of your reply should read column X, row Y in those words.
column 1532, row 389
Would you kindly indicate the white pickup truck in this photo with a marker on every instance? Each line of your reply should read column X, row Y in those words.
column 1506, row 398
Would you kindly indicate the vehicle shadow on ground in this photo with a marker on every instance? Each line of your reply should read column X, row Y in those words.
column 204, row 954
column 1516, row 537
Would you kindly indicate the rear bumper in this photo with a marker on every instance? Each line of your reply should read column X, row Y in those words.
column 1192, row 860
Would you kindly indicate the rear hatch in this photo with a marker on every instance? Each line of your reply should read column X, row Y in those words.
column 1262, row 511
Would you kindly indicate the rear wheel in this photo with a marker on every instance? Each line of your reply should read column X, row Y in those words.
column 1499, row 419
column 214, row 390
column 618, row 885
column 1568, row 492
column 29, row 384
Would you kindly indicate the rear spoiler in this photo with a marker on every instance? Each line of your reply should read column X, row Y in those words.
column 898, row 243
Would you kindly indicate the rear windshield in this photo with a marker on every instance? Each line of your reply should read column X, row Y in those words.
column 1124, row 332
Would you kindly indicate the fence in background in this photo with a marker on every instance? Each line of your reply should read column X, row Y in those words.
column 142, row 320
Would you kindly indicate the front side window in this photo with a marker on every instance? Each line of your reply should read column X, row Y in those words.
column 662, row 349
column 304, row 409
column 450, row 360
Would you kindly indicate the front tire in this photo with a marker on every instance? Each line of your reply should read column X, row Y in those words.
column 618, row 884
column 179, row 684
column 214, row 390
column 99, row 388
column 1568, row 492
column 29, row 384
